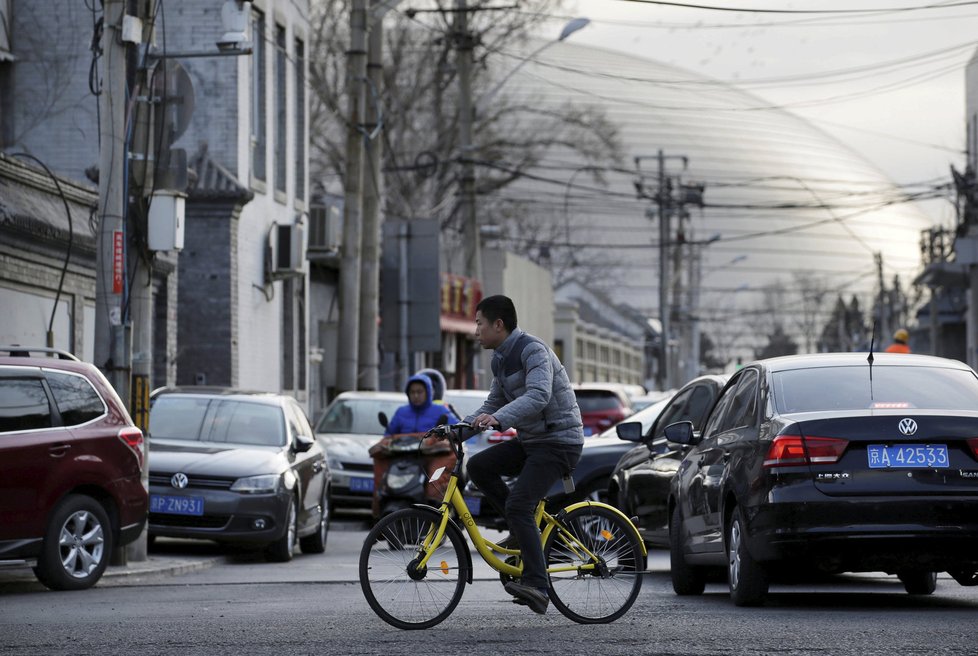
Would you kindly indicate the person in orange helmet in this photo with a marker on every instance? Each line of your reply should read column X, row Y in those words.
column 899, row 345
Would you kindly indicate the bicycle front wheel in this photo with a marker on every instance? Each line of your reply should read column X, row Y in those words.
column 398, row 590
column 596, row 567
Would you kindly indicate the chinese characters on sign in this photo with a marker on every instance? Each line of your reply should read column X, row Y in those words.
column 117, row 261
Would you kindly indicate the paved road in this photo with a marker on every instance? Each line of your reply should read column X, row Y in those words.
column 242, row 605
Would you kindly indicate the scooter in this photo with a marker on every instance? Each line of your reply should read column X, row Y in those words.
column 403, row 468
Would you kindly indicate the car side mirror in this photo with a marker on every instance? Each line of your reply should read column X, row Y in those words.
column 382, row 418
column 303, row 443
column 630, row 431
column 681, row 433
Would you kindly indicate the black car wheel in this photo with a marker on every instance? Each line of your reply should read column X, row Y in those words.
column 686, row 579
column 596, row 491
column 749, row 580
column 282, row 549
column 316, row 543
column 918, row 583
column 77, row 545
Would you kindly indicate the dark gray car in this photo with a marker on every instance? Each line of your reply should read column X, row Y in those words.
column 237, row 466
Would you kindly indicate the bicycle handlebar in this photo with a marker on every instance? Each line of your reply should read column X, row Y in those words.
column 445, row 430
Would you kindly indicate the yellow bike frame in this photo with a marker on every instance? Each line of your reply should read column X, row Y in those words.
column 487, row 549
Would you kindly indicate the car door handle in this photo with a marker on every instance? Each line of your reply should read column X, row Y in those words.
column 58, row 450
column 726, row 456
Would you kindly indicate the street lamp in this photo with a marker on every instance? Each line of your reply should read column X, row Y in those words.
column 467, row 111
column 572, row 26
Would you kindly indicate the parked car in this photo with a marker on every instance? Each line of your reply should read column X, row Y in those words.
column 640, row 480
column 834, row 463
column 602, row 405
column 236, row 466
column 347, row 429
column 70, row 465
column 598, row 459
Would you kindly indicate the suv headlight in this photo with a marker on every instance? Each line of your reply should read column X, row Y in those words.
column 265, row 484
column 334, row 463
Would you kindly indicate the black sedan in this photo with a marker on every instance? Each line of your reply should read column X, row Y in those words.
column 833, row 463
column 237, row 467
column 639, row 484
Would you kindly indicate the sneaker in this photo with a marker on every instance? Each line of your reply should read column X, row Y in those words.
column 537, row 599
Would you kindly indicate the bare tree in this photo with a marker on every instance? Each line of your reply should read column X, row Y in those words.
column 419, row 106
column 812, row 291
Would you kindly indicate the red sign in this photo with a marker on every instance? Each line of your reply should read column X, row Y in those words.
column 118, row 261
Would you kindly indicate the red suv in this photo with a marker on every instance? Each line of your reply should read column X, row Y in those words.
column 602, row 406
column 70, row 465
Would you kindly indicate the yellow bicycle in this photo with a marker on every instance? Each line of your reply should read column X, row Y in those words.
column 415, row 563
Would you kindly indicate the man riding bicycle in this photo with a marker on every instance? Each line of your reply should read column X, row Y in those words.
column 530, row 392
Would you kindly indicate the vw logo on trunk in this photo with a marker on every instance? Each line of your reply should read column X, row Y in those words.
column 907, row 426
column 179, row 480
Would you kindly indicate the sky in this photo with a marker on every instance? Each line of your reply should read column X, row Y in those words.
column 888, row 83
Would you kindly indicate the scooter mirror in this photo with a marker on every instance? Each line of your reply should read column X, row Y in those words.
column 382, row 418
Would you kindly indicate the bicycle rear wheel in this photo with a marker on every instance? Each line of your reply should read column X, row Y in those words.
column 599, row 589
column 396, row 589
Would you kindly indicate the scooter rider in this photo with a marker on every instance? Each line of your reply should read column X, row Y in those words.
column 421, row 413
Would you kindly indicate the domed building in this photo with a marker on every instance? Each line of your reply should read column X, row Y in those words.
column 791, row 219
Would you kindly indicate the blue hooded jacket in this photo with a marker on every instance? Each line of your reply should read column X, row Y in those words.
column 419, row 418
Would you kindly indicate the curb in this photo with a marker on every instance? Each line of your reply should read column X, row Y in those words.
column 19, row 575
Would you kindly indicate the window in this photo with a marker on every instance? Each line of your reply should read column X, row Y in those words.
column 242, row 422
column 300, row 120
column 23, row 405
column 77, row 400
column 258, row 107
column 281, row 107
column 743, row 405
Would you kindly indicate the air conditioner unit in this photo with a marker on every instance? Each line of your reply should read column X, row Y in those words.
column 325, row 224
column 288, row 251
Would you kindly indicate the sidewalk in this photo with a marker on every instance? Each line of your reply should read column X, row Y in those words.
column 20, row 574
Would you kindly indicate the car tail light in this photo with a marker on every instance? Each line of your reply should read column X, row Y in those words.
column 133, row 438
column 793, row 450
column 501, row 436
column 973, row 445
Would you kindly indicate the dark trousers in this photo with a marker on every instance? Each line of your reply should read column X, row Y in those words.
column 539, row 465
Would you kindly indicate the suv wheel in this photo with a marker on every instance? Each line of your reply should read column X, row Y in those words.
column 77, row 545
column 748, row 579
column 316, row 543
column 686, row 579
column 282, row 549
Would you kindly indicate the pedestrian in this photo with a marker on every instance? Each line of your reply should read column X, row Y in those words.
column 900, row 339
column 420, row 413
column 530, row 391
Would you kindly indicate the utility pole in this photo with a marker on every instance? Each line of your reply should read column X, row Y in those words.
column 884, row 316
column 467, row 211
column 111, row 338
column 369, row 367
column 356, row 71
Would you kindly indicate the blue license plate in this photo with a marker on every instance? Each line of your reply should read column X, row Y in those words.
column 907, row 456
column 172, row 505
column 361, row 484
column 474, row 504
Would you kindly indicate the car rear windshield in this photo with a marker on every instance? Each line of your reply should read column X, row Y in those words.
column 891, row 387
column 201, row 419
column 597, row 400
column 357, row 416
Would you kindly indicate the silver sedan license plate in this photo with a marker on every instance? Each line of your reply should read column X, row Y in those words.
column 174, row 505
column 904, row 456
